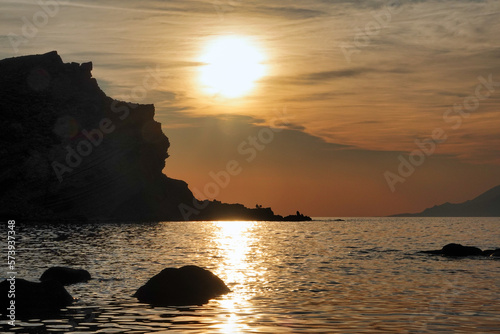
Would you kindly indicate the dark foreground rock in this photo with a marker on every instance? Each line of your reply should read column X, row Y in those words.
column 65, row 275
column 188, row 285
column 32, row 299
column 458, row 250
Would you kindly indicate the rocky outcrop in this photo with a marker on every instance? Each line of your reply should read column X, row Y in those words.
column 65, row 276
column 188, row 285
column 216, row 210
column 33, row 299
column 70, row 151
column 458, row 250
column 298, row 217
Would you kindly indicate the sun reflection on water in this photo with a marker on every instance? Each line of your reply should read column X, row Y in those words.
column 234, row 239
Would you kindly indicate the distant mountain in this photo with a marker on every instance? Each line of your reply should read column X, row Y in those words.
column 485, row 205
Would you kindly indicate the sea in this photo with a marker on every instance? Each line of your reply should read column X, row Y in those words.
column 360, row 275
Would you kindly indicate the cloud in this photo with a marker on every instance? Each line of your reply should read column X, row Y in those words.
column 289, row 13
column 206, row 8
column 315, row 78
column 325, row 96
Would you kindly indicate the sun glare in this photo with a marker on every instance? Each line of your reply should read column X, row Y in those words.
column 232, row 65
column 233, row 241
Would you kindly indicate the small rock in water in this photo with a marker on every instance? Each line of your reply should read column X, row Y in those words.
column 33, row 299
column 495, row 253
column 65, row 275
column 458, row 250
column 61, row 237
column 188, row 285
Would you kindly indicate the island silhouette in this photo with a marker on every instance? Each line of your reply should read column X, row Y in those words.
column 71, row 153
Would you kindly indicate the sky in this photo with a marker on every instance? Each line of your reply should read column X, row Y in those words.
column 365, row 108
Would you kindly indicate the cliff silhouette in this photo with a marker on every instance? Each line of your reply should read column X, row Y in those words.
column 70, row 152
column 485, row 205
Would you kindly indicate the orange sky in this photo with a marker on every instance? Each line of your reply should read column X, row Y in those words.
column 353, row 86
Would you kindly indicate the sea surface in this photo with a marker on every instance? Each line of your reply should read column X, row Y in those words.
column 361, row 275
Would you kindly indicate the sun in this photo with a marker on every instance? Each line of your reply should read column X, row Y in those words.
column 232, row 64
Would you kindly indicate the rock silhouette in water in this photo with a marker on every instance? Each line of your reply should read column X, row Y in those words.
column 492, row 253
column 216, row 210
column 34, row 299
column 65, row 275
column 188, row 285
column 297, row 217
column 458, row 250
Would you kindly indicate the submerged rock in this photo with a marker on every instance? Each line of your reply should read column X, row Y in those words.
column 458, row 250
column 65, row 275
column 32, row 298
column 188, row 285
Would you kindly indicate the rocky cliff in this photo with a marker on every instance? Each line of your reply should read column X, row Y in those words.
column 70, row 151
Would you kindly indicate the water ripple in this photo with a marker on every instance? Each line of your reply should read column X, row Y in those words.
column 357, row 276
